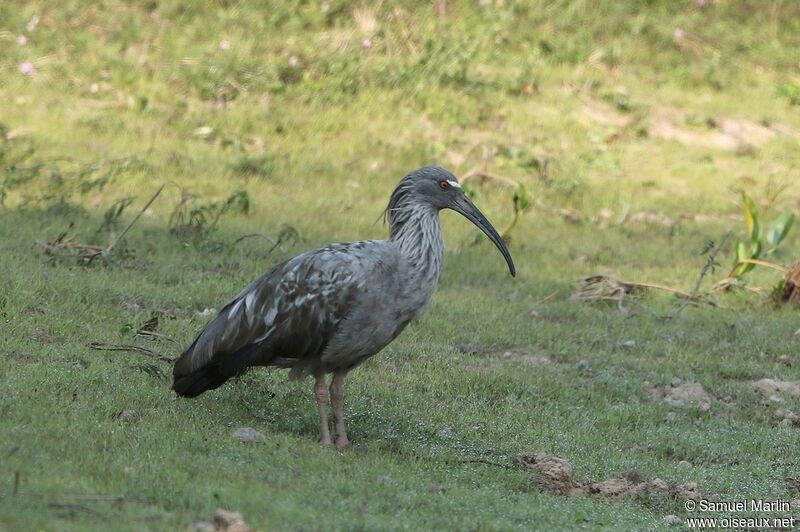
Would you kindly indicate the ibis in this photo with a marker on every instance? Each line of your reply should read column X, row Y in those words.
column 328, row 310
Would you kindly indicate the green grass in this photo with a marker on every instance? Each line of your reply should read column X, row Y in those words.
column 316, row 128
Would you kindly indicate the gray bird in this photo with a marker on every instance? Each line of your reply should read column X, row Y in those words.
column 328, row 310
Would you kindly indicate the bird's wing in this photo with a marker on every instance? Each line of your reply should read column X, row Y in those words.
column 291, row 312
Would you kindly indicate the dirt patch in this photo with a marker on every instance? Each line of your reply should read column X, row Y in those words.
column 651, row 218
column 16, row 355
column 774, row 388
column 41, row 336
column 793, row 484
column 728, row 134
column 603, row 115
column 554, row 474
column 681, row 394
column 129, row 303
column 664, row 129
column 224, row 521
column 787, row 418
column 127, row 416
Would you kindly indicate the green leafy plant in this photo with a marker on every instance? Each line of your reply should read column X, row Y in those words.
column 791, row 91
column 192, row 222
column 760, row 244
column 111, row 217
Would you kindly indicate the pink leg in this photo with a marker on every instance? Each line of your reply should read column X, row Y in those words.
column 337, row 398
column 321, row 392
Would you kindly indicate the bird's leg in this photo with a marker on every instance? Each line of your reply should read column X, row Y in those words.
column 321, row 392
column 337, row 398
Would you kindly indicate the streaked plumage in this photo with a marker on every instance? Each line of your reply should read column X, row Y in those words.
column 328, row 310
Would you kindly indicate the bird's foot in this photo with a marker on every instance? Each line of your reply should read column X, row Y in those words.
column 342, row 442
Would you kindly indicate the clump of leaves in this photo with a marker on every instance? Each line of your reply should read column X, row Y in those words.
column 791, row 91
column 111, row 217
column 195, row 222
column 97, row 175
column 761, row 243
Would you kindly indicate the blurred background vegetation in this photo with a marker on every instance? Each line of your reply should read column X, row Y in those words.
column 101, row 98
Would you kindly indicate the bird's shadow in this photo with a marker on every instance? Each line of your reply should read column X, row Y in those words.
column 267, row 398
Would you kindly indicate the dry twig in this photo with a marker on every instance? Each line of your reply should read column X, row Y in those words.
column 100, row 346
column 105, row 252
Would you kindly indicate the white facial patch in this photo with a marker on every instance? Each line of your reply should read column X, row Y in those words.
column 453, row 184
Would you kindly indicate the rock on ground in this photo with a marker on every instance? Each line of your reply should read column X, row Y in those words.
column 249, row 435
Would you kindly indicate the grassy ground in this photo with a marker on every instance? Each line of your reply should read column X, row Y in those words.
column 311, row 112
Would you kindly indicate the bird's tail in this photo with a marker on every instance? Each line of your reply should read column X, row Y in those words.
column 199, row 381
column 191, row 381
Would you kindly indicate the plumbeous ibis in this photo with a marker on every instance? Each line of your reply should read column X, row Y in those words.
column 328, row 310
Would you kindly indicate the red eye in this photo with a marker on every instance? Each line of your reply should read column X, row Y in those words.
column 444, row 185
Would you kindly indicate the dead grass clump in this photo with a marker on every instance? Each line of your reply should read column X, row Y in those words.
column 788, row 290
column 596, row 288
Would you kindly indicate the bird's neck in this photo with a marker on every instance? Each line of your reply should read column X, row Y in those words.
column 417, row 234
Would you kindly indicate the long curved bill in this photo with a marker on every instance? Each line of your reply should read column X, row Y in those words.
column 464, row 206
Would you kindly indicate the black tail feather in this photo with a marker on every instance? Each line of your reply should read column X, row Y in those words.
column 214, row 374
column 197, row 382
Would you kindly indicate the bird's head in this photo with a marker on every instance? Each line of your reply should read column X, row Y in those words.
column 438, row 188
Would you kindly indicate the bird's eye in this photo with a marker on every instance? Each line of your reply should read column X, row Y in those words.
column 444, row 185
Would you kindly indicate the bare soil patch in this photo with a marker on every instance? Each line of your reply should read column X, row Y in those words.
column 555, row 475
column 680, row 394
column 776, row 387
column 41, row 335
column 604, row 115
column 224, row 521
column 724, row 133
column 787, row 418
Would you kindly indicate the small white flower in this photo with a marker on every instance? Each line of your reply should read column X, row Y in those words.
column 678, row 33
column 293, row 61
column 224, row 45
column 27, row 68
column 366, row 43
column 22, row 40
